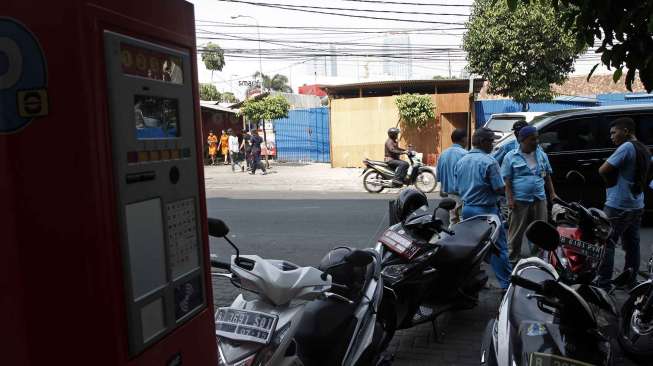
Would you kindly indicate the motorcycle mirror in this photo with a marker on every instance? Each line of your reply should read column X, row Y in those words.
column 217, row 228
column 358, row 258
column 574, row 177
column 447, row 204
column 544, row 235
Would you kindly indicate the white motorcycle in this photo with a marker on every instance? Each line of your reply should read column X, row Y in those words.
column 291, row 315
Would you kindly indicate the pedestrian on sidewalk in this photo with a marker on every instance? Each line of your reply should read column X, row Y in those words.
column 478, row 182
column 527, row 174
column 256, row 142
column 212, row 141
column 626, row 174
column 246, row 146
column 446, row 170
column 224, row 146
column 234, row 151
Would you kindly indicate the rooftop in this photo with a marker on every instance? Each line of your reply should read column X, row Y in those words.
column 387, row 88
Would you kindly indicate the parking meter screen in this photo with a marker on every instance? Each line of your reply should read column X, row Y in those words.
column 151, row 64
column 156, row 117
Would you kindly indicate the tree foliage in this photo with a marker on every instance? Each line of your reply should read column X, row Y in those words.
column 209, row 92
column 213, row 57
column 277, row 83
column 415, row 110
column 520, row 52
column 266, row 109
column 228, row 97
column 625, row 28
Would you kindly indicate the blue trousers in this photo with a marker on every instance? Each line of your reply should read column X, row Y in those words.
column 500, row 264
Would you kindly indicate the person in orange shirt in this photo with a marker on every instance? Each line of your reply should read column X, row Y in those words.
column 224, row 146
column 212, row 141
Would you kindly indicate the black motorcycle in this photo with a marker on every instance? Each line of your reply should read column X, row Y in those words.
column 377, row 175
column 636, row 320
column 429, row 270
column 544, row 321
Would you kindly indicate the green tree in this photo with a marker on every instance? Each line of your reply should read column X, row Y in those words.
column 209, row 92
column 415, row 110
column 625, row 29
column 228, row 97
column 213, row 57
column 266, row 109
column 520, row 52
column 277, row 83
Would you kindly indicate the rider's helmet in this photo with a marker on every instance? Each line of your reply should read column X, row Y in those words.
column 393, row 132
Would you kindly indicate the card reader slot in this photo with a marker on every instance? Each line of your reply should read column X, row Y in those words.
column 140, row 177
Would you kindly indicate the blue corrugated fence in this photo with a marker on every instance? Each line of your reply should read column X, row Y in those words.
column 303, row 136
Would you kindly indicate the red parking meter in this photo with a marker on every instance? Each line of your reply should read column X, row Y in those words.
column 105, row 249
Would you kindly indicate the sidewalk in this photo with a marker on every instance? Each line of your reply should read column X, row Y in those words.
column 289, row 177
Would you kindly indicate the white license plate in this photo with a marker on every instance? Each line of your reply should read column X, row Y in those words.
column 398, row 243
column 245, row 325
column 544, row 359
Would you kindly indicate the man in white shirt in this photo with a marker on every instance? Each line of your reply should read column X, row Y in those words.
column 234, row 152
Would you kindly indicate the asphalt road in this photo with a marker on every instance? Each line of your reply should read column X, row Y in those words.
column 302, row 227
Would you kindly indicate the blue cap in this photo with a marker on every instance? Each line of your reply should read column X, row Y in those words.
column 526, row 132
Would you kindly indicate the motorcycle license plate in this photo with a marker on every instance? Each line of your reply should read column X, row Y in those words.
column 543, row 359
column 245, row 325
column 398, row 243
column 589, row 250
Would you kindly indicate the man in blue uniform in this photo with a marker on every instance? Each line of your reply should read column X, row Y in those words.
column 626, row 174
column 511, row 145
column 526, row 172
column 445, row 171
column 479, row 184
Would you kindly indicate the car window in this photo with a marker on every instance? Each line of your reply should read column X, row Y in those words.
column 571, row 135
column 502, row 124
column 645, row 128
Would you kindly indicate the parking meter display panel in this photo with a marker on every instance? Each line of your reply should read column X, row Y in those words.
column 153, row 140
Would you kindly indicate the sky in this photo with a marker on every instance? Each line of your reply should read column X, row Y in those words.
column 291, row 39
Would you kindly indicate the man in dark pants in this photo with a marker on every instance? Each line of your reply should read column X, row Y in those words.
column 625, row 174
column 392, row 157
column 256, row 141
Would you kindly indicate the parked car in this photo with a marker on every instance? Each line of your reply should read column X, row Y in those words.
column 501, row 123
column 579, row 139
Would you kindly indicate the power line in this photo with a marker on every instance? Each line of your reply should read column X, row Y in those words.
column 368, row 10
column 286, row 7
column 408, row 3
column 317, row 28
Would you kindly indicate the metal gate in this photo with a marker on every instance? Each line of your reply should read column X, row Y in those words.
column 303, row 136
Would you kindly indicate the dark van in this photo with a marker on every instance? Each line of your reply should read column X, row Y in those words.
column 579, row 139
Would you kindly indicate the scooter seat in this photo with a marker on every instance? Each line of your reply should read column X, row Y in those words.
column 457, row 248
column 377, row 162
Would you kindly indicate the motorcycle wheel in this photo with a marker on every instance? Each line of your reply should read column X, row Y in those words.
column 425, row 181
column 371, row 177
column 635, row 338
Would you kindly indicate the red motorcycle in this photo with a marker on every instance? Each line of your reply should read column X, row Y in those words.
column 583, row 235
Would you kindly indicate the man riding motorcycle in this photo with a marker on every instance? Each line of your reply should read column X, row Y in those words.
column 392, row 157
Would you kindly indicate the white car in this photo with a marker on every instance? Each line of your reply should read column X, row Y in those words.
column 501, row 123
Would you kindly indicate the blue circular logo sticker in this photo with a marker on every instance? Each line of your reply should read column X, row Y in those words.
column 23, row 77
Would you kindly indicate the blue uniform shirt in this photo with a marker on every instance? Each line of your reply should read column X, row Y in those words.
column 447, row 165
column 477, row 179
column 620, row 196
column 527, row 185
column 501, row 152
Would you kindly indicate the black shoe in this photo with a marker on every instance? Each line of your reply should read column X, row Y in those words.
column 397, row 183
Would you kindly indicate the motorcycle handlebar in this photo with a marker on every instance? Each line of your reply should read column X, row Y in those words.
column 525, row 283
column 215, row 263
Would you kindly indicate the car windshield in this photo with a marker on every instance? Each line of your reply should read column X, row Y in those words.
column 501, row 124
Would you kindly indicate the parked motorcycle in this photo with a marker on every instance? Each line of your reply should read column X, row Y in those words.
column 377, row 175
column 636, row 321
column 292, row 315
column 430, row 270
column 542, row 320
column 583, row 236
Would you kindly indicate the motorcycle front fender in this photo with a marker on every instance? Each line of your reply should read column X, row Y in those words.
column 367, row 169
column 641, row 288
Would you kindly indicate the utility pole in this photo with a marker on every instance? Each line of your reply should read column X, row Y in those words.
column 449, row 59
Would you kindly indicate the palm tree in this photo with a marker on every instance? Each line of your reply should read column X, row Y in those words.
column 277, row 83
